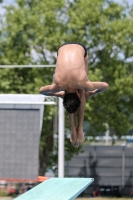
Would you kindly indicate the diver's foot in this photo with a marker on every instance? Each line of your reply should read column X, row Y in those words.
column 80, row 138
column 73, row 139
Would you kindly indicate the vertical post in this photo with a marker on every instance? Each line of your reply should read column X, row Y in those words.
column 61, row 139
column 107, row 134
column 55, row 130
column 123, row 167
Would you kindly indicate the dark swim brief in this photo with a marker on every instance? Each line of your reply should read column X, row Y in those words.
column 74, row 43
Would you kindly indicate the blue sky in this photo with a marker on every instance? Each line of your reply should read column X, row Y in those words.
column 7, row 2
column 119, row 1
column 10, row 1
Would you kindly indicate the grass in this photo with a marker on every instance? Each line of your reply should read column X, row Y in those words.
column 3, row 193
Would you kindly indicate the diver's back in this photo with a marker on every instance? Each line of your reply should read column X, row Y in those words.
column 70, row 65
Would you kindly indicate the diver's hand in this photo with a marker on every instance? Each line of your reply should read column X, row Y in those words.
column 60, row 94
column 90, row 94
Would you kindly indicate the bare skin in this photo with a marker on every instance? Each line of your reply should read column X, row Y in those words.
column 71, row 76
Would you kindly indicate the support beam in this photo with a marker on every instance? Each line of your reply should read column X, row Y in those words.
column 61, row 140
column 57, row 189
column 26, row 66
column 27, row 103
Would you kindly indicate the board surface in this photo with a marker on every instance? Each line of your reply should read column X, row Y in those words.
column 57, row 188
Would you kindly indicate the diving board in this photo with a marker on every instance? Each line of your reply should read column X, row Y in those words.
column 57, row 188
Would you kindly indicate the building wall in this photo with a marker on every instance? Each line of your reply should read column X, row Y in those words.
column 19, row 143
column 110, row 166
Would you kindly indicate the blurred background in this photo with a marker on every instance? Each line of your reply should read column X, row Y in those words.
column 30, row 33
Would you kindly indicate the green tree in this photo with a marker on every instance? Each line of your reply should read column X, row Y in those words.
column 104, row 27
column 31, row 33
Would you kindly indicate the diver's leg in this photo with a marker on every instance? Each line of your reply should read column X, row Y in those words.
column 73, row 137
column 80, row 134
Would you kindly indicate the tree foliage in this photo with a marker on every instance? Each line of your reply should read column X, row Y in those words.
column 31, row 33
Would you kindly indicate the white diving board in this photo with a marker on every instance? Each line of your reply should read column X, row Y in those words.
column 57, row 189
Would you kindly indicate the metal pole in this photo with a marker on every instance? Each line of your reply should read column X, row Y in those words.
column 107, row 134
column 25, row 103
column 26, row 66
column 61, row 140
column 123, row 167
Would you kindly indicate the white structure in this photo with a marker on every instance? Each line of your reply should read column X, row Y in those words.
column 61, row 120
column 20, row 130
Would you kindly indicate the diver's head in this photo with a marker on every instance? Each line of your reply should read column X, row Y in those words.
column 71, row 102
